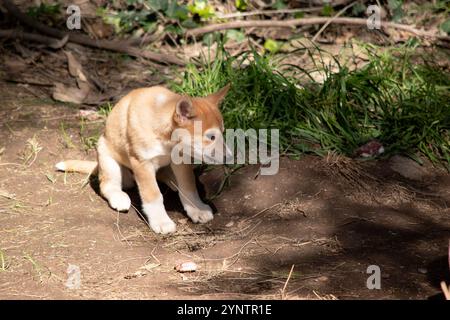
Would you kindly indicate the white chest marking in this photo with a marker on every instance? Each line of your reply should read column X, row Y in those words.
column 155, row 151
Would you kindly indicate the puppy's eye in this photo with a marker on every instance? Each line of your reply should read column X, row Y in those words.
column 211, row 136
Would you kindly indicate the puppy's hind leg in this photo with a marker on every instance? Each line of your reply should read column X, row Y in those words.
column 128, row 181
column 110, row 176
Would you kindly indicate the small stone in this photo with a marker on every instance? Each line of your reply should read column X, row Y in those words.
column 371, row 149
column 186, row 267
column 422, row 270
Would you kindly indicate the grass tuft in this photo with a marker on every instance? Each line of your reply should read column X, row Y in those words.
column 397, row 98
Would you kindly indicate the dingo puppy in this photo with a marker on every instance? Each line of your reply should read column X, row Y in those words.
column 136, row 147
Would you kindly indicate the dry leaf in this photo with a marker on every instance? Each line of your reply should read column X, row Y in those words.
column 98, row 29
column 70, row 94
column 75, row 68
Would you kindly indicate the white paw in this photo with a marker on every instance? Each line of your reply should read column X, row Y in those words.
column 119, row 201
column 163, row 225
column 201, row 213
column 157, row 217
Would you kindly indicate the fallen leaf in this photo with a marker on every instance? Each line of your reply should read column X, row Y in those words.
column 75, row 68
column 70, row 94
column 98, row 29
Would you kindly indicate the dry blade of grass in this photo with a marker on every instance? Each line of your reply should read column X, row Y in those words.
column 283, row 291
column 4, row 264
column 67, row 140
column 36, row 267
column 325, row 297
column 33, row 148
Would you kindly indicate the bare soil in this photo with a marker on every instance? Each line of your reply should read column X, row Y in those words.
column 329, row 218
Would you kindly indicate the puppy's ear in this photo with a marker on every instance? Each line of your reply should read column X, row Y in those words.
column 183, row 111
column 216, row 98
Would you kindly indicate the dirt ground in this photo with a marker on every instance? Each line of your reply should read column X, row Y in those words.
column 329, row 218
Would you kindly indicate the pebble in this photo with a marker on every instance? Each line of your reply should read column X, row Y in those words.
column 422, row 270
column 186, row 267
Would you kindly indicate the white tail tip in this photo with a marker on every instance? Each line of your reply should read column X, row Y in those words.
column 60, row 166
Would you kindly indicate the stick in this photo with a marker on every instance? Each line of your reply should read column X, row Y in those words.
column 331, row 21
column 266, row 12
column 118, row 46
column 280, row 11
column 306, row 22
column 286, row 283
column 17, row 34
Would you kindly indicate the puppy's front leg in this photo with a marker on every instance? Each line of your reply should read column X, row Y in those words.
column 187, row 190
column 152, row 200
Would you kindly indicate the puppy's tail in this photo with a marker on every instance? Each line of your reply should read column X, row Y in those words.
column 82, row 166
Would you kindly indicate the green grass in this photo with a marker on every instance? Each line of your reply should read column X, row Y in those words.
column 397, row 98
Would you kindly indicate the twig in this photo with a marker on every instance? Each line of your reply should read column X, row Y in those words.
column 18, row 34
column 305, row 22
column 118, row 229
column 273, row 206
column 28, row 82
column 266, row 12
column 286, row 283
column 153, row 255
column 237, row 254
column 280, row 11
column 263, row 210
column 118, row 46
column 331, row 20
column 142, row 216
